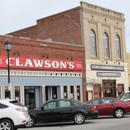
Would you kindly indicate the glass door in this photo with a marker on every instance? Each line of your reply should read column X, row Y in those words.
column 54, row 92
column 29, row 96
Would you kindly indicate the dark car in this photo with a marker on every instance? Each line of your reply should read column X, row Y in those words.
column 61, row 110
column 111, row 106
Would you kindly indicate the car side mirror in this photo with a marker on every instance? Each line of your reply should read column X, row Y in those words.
column 42, row 108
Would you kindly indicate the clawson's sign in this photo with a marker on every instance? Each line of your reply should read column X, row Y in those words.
column 41, row 64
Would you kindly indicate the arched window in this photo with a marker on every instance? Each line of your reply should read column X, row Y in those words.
column 106, row 45
column 118, row 47
column 92, row 43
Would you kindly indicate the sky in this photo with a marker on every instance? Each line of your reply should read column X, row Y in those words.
column 19, row 14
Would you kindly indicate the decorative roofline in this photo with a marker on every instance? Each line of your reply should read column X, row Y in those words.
column 101, row 9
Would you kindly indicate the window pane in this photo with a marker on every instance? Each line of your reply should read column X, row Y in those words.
column 64, row 104
column 106, row 101
column 17, row 93
column 50, row 105
column 92, row 43
column 106, row 45
column 118, row 51
column 95, row 102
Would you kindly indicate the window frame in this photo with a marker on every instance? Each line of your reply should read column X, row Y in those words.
column 118, row 47
column 106, row 47
column 92, row 37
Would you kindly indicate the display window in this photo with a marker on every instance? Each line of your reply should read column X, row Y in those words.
column 17, row 93
column 72, row 92
column 97, row 90
column 7, row 92
column 65, row 92
column 78, row 93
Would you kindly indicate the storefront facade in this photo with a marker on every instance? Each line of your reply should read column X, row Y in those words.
column 33, row 90
column 106, row 65
column 35, row 79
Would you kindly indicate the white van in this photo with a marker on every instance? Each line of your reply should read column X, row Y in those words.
column 125, row 96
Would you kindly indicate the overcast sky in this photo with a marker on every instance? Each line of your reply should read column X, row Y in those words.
column 18, row 14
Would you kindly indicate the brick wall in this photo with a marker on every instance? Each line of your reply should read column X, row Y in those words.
column 29, row 32
column 62, row 27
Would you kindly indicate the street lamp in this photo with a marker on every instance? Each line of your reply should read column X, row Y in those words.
column 8, row 47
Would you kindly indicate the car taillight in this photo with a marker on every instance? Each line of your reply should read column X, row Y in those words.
column 94, row 108
column 20, row 109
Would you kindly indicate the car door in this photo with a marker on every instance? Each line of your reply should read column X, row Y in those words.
column 64, row 110
column 106, row 107
column 47, row 114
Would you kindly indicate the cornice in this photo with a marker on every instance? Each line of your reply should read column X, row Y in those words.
column 103, row 15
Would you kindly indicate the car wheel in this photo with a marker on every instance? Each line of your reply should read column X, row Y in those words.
column 119, row 113
column 31, row 123
column 79, row 118
column 6, row 124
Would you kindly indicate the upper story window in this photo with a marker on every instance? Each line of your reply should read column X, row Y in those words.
column 92, row 43
column 106, row 45
column 118, row 47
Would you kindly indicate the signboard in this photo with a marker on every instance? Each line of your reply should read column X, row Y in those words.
column 106, row 67
column 108, row 74
column 41, row 64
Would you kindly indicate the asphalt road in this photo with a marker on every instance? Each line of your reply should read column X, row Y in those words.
column 102, row 123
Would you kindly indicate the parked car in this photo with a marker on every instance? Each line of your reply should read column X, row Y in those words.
column 12, row 115
column 111, row 106
column 125, row 96
column 61, row 110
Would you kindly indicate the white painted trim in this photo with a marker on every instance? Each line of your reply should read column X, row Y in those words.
column 41, row 73
column 68, row 89
column 62, row 91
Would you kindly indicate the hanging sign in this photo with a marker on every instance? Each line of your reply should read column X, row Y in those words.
column 41, row 64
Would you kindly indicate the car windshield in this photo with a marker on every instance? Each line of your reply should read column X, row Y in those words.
column 121, row 95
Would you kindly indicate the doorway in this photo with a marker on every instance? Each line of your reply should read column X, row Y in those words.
column 51, row 92
column 54, row 92
column 109, row 88
column 29, row 96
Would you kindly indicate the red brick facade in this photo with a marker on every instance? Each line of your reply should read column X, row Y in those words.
column 62, row 27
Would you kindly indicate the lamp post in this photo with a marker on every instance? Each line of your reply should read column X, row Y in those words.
column 8, row 47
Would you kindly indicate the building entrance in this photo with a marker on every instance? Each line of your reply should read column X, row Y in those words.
column 29, row 96
column 109, row 88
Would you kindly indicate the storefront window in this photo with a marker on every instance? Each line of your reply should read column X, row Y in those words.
column 97, row 90
column 120, row 88
column 72, row 92
column 54, row 92
column 17, row 93
column 7, row 92
column 65, row 92
column 89, row 95
column 78, row 93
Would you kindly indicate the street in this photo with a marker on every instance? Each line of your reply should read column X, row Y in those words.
column 102, row 123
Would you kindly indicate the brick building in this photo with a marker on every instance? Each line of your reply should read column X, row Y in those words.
column 102, row 32
column 41, row 70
